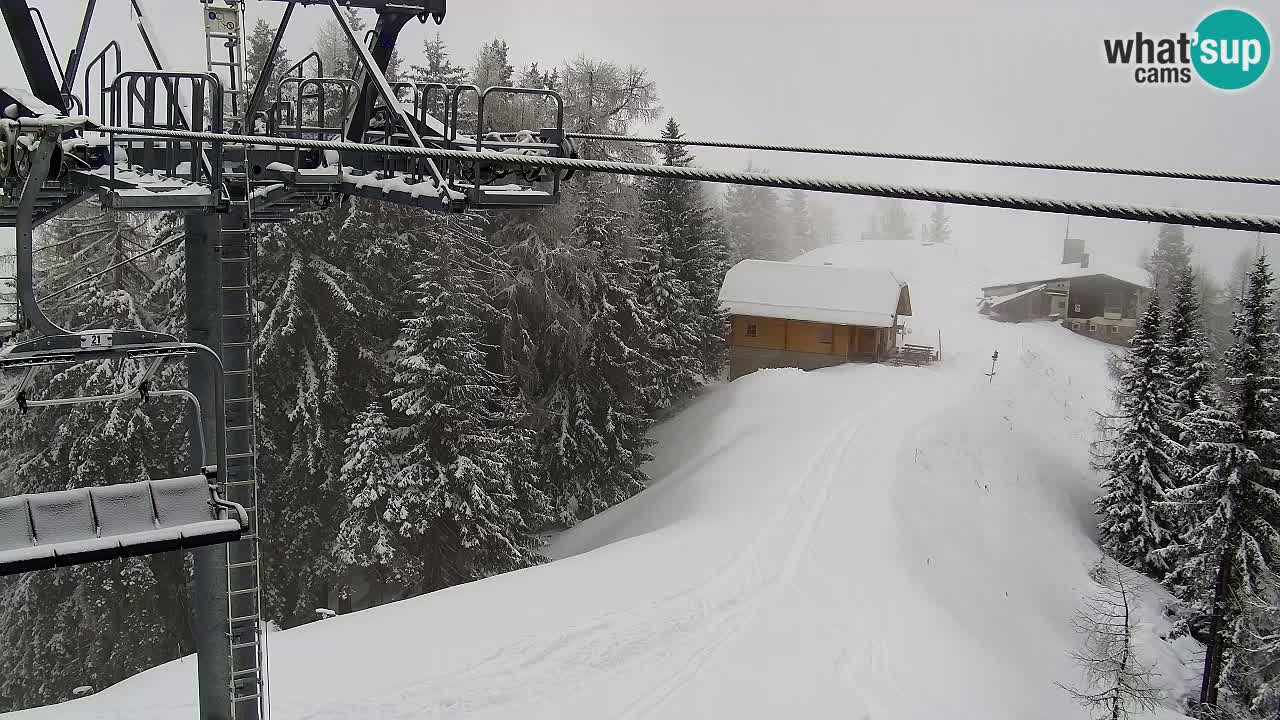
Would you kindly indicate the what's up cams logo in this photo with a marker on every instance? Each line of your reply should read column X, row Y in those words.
column 1229, row 50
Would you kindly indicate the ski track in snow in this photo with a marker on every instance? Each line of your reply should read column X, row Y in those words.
column 698, row 620
column 689, row 627
column 822, row 544
column 825, row 465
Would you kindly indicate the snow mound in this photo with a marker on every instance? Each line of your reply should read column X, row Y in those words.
column 862, row 541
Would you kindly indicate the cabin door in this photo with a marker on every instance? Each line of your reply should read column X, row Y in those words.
column 862, row 341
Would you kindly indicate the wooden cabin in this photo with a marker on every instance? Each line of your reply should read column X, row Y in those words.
column 810, row 316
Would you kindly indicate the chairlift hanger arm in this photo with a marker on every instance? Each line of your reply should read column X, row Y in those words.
column 73, row 60
column 372, row 72
column 25, row 231
column 43, row 81
column 152, row 348
column 384, row 33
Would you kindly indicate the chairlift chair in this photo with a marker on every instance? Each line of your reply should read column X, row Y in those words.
column 72, row 527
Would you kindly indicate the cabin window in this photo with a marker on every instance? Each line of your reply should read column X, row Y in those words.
column 1115, row 330
column 1093, row 328
column 1075, row 325
column 824, row 334
column 751, row 329
column 1077, row 306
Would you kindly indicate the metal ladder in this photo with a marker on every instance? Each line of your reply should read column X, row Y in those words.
column 224, row 52
column 245, row 633
column 224, row 46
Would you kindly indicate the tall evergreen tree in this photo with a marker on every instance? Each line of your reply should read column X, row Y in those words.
column 1170, row 260
column 341, row 60
column 683, row 267
column 467, row 476
column 320, row 360
column 894, row 222
column 753, row 222
column 938, row 230
column 801, row 223
column 493, row 65
column 1190, row 369
column 436, row 65
column 1143, row 464
column 824, row 223
column 258, row 45
column 599, row 442
column 1190, row 383
column 370, row 539
column 575, row 338
column 1231, row 555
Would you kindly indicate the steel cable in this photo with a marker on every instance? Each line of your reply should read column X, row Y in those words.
column 1143, row 213
column 956, row 159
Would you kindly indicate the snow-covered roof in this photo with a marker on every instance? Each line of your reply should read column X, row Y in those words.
column 1068, row 271
column 817, row 293
column 998, row 301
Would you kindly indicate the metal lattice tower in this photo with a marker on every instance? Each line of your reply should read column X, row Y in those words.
column 225, row 44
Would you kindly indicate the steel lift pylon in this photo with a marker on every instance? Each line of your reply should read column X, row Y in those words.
column 52, row 156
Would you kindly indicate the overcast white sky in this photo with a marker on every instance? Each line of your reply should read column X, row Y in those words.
column 1020, row 79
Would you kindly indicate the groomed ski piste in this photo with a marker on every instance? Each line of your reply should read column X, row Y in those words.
column 862, row 542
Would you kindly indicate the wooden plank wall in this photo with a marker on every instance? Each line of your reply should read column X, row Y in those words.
column 807, row 337
column 793, row 335
column 771, row 333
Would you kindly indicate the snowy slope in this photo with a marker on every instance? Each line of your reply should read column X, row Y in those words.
column 857, row 542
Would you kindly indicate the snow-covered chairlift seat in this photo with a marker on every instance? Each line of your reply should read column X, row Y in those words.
column 72, row 527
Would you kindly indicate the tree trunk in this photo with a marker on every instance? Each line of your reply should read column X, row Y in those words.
column 1213, row 654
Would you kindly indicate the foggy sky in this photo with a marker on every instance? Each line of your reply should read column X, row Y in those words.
column 1010, row 79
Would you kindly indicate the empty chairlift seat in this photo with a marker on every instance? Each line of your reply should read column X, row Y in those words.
column 71, row 527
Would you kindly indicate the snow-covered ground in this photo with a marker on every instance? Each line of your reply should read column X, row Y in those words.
column 858, row 542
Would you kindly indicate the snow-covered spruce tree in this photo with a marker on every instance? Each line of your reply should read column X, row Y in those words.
column 1190, row 369
column 574, row 338
column 1230, row 557
column 599, row 432
column 1144, row 459
column 1168, row 262
column 436, row 67
column 369, row 541
column 894, row 222
column 680, row 278
column 675, row 336
column 324, row 284
column 258, row 45
column 753, row 223
column 825, row 231
column 939, row 229
column 801, row 223
column 466, row 483
column 100, row 623
column 1190, row 384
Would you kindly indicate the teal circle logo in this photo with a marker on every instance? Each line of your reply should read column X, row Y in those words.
column 1232, row 49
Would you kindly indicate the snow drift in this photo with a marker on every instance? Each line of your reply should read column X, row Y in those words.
column 857, row 542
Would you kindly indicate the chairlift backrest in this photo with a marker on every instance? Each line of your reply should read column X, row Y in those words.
column 62, row 516
column 71, row 527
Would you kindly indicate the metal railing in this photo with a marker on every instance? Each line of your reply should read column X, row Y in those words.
column 169, row 101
